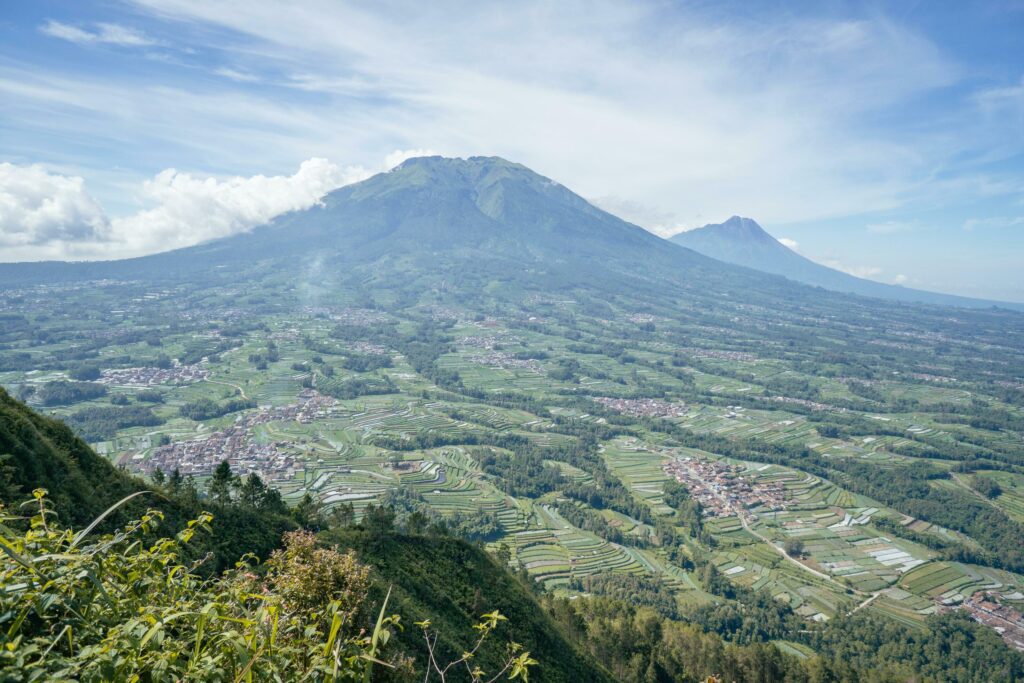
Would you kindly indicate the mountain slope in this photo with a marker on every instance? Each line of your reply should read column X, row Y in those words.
column 446, row 580
column 40, row 452
column 451, row 583
column 483, row 229
column 743, row 242
column 430, row 211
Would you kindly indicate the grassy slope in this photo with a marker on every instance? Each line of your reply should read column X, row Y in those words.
column 451, row 583
column 433, row 578
column 40, row 452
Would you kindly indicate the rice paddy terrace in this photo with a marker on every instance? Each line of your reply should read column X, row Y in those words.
column 344, row 404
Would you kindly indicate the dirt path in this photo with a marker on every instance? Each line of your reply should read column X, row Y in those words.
column 866, row 602
column 781, row 551
column 958, row 479
column 241, row 391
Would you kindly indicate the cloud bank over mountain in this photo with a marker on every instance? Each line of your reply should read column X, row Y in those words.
column 53, row 216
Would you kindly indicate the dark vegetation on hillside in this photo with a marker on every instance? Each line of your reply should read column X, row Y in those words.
column 40, row 452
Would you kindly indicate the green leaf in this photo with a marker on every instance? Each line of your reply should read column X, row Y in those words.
column 376, row 636
column 87, row 530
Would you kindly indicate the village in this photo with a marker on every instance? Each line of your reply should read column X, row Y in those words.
column 722, row 491
column 813, row 405
column 272, row 461
column 643, row 407
column 153, row 376
column 505, row 361
column 718, row 354
column 493, row 356
column 1006, row 621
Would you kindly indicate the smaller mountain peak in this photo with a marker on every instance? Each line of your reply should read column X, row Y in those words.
column 739, row 228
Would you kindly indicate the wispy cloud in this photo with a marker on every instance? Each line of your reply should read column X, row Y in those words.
column 110, row 34
column 666, row 97
column 863, row 271
column 993, row 222
column 236, row 75
column 791, row 244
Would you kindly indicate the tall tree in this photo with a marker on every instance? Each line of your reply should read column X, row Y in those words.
column 222, row 483
column 253, row 491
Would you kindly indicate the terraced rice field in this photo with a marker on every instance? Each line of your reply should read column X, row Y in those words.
column 639, row 466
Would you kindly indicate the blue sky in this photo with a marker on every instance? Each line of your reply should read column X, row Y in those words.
column 886, row 139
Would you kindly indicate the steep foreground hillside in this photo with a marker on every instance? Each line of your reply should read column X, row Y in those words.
column 39, row 452
column 445, row 580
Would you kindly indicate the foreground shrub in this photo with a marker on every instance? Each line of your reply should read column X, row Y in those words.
column 123, row 607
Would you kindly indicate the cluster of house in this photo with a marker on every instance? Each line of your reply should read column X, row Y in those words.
column 813, row 405
column 367, row 347
column 505, row 361
column 1004, row 620
column 272, row 461
column 489, row 342
column 153, row 376
column 643, row 407
column 199, row 457
column 351, row 316
column 493, row 357
column 926, row 377
column 718, row 354
column 721, row 489
column 444, row 313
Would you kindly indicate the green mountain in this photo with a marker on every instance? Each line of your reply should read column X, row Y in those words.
column 509, row 359
column 741, row 241
column 475, row 224
column 434, row 213
column 451, row 583
column 485, row 228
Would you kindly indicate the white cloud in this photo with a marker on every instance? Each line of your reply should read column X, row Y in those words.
column 664, row 99
column 111, row 34
column 993, row 222
column 900, row 279
column 791, row 244
column 866, row 272
column 190, row 210
column 46, row 215
column 39, row 208
column 236, row 75
column 400, row 155
column 661, row 223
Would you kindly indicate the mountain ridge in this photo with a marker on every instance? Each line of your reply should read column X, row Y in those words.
column 741, row 241
column 443, row 222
